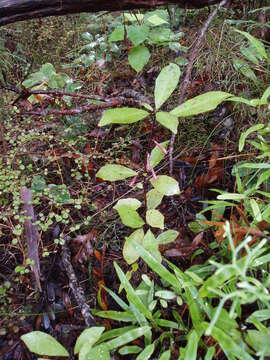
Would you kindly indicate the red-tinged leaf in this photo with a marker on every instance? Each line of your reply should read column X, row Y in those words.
column 98, row 255
column 83, row 246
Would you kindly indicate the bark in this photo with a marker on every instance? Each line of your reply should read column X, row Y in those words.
column 18, row 10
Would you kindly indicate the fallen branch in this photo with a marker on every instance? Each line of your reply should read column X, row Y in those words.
column 192, row 59
column 76, row 289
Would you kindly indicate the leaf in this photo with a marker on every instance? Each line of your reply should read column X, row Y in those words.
column 155, row 219
column 243, row 67
column 60, row 193
column 99, row 352
column 166, row 83
column 166, row 185
column 138, row 57
column 131, row 294
column 115, row 173
column 156, row 20
column 168, row 120
column 150, row 244
column 124, row 316
column 43, row 344
column 128, row 337
column 257, row 44
column 166, row 355
column 146, row 353
column 89, row 336
column 200, row 104
column 153, row 199
column 131, row 349
column 231, row 196
column 192, row 346
column 210, row 353
column 157, row 155
column 167, row 237
column 129, row 253
column 126, row 209
column 256, row 210
column 245, row 134
column 118, row 34
column 259, row 341
column 123, row 115
column 38, row 184
column 165, row 294
column 137, row 33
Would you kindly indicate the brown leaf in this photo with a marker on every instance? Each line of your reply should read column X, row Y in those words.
column 31, row 232
column 83, row 246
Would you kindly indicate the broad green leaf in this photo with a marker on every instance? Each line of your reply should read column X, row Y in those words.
column 166, row 355
column 157, row 155
column 133, row 17
column 131, row 294
column 99, row 352
column 210, row 353
column 131, row 349
column 129, row 253
column 155, row 219
column 168, row 120
column 166, row 83
column 128, row 337
column 257, row 44
column 128, row 213
column 89, row 336
column 60, row 193
column 243, row 67
column 43, row 344
column 146, row 353
column 47, row 70
column 138, row 57
column 192, row 346
column 251, row 54
column 166, row 185
column 201, row 104
column 123, row 115
column 115, row 173
column 118, row 34
column 132, row 203
column 167, row 237
column 160, row 35
column 38, row 184
column 153, row 199
column 114, row 333
column 156, row 20
column 259, row 341
column 245, row 134
column 265, row 95
column 137, row 33
column 150, row 244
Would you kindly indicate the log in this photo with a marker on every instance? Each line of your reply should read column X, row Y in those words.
column 17, row 10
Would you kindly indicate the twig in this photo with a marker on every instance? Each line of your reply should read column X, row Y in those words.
column 189, row 70
column 76, row 289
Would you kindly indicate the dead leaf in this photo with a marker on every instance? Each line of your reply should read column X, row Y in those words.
column 83, row 246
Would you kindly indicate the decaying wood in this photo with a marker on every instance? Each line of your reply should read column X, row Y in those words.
column 76, row 289
column 31, row 233
column 18, row 10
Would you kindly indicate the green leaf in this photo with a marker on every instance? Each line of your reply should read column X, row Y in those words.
column 117, row 315
column 157, row 155
column 166, row 83
column 146, row 353
column 166, row 185
column 167, row 237
column 245, row 134
column 257, row 44
column 192, row 346
column 153, row 199
column 47, row 70
column 156, row 20
column 99, row 352
column 118, row 34
column 243, row 67
column 150, row 244
column 133, row 17
column 115, row 173
column 129, row 253
column 201, row 104
column 131, row 294
column 165, row 294
column 231, row 196
column 210, row 353
column 126, row 209
column 43, row 344
column 138, row 57
column 265, row 95
column 38, row 184
column 60, row 193
column 89, row 336
column 122, row 116
column 155, row 219
column 137, row 33
column 260, row 315
column 256, row 210
column 132, row 349
column 114, row 333
column 128, row 337
column 259, row 341
column 168, row 120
